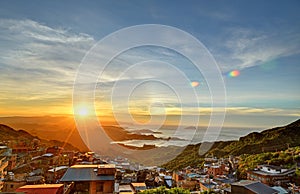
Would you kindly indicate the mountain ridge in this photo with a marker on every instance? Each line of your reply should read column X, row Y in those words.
column 274, row 139
column 8, row 133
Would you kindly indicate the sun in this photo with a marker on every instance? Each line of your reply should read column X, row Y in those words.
column 83, row 112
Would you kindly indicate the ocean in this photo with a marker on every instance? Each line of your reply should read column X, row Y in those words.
column 183, row 136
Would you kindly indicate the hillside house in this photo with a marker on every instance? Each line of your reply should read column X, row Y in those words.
column 92, row 179
column 271, row 175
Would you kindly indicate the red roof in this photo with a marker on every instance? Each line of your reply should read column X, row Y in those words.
column 45, row 189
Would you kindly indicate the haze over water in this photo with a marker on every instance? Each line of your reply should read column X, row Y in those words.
column 184, row 136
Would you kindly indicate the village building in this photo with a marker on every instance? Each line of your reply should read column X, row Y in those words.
column 91, row 179
column 271, row 175
column 53, row 175
column 215, row 170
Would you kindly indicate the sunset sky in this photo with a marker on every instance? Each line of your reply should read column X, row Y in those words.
column 256, row 45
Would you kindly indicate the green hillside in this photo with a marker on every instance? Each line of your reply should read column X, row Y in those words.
column 276, row 139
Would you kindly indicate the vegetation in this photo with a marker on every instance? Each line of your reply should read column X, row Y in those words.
column 189, row 157
column 276, row 139
column 272, row 140
column 287, row 159
column 297, row 173
column 164, row 190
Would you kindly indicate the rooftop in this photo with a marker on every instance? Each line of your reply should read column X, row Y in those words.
column 255, row 186
column 138, row 184
column 280, row 190
column 58, row 168
column 94, row 166
column 285, row 173
column 271, row 166
column 42, row 188
column 86, row 173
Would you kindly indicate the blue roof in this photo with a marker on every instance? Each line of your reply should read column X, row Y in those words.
column 193, row 175
column 209, row 185
column 280, row 190
column 255, row 186
column 169, row 183
column 261, row 188
column 84, row 174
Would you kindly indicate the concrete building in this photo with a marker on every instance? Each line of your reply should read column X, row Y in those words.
column 271, row 175
column 215, row 170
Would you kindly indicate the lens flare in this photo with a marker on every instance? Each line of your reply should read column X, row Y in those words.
column 234, row 73
column 83, row 112
column 195, row 84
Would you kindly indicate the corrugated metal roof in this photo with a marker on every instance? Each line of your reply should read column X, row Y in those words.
column 256, row 187
column 84, row 173
column 280, row 190
column 261, row 188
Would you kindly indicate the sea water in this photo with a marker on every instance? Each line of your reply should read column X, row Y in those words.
column 183, row 136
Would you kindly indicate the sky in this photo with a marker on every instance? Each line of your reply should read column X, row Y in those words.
column 255, row 45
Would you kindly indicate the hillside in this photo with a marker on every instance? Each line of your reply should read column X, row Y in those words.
column 278, row 138
column 9, row 134
column 61, row 128
column 275, row 139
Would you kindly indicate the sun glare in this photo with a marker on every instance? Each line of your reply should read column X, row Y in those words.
column 83, row 112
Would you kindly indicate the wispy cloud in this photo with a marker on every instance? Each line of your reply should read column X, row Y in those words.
column 38, row 61
column 245, row 47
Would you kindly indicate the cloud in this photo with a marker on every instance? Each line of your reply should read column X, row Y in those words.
column 245, row 47
column 206, row 111
column 30, row 41
column 38, row 61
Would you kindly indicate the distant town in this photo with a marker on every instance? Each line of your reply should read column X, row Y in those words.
column 31, row 167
